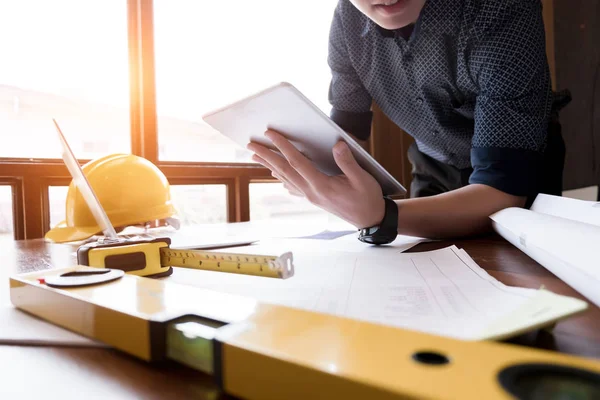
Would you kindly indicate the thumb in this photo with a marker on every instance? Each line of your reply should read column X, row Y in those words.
column 347, row 163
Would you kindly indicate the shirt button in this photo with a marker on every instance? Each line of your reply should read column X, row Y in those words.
column 408, row 57
column 435, row 133
column 419, row 101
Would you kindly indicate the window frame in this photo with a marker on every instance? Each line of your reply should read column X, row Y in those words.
column 31, row 177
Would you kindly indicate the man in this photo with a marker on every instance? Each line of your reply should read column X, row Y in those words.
column 469, row 80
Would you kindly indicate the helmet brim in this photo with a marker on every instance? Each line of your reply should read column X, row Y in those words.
column 62, row 233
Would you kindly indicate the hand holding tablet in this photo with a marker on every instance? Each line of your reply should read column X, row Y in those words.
column 283, row 109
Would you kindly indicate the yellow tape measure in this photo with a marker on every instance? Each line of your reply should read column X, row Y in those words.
column 249, row 264
column 152, row 257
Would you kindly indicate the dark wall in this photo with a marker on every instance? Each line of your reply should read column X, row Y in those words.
column 577, row 58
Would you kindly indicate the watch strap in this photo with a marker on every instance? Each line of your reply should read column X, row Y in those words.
column 390, row 218
column 387, row 230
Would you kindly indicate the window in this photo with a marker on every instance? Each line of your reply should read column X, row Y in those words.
column 272, row 201
column 209, row 54
column 64, row 59
column 85, row 64
column 57, row 197
column 200, row 204
column 6, row 212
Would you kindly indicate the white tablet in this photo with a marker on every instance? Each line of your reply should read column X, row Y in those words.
column 284, row 109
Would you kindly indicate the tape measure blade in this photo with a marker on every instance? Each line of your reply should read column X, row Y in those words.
column 280, row 267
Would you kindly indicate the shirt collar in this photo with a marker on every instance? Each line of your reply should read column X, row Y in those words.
column 404, row 32
column 433, row 17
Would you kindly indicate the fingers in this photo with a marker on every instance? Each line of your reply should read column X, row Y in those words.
column 296, row 159
column 293, row 190
column 263, row 162
column 277, row 164
column 347, row 163
column 290, row 187
column 287, row 185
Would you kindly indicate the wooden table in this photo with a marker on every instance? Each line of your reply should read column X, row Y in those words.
column 28, row 371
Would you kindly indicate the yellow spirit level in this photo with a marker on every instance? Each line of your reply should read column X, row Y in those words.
column 260, row 351
column 153, row 257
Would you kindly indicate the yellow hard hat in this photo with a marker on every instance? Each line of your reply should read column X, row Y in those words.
column 131, row 189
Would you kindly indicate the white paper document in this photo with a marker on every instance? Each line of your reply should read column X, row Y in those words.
column 562, row 235
column 442, row 292
column 564, row 207
column 350, row 243
column 242, row 233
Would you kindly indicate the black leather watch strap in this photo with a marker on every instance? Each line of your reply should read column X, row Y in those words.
column 390, row 218
column 387, row 230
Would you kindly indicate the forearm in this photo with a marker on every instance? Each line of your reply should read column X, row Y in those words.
column 461, row 212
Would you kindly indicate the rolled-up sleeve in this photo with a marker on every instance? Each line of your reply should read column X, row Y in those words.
column 508, row 63
column 350, row 101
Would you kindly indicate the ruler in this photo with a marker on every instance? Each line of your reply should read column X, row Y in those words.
column 248, row 264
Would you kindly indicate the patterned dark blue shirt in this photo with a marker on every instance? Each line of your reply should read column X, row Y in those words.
column 470, row 83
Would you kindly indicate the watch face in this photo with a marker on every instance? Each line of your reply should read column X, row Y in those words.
column 372, row 230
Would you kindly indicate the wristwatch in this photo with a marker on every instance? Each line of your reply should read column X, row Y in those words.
column 387, row 230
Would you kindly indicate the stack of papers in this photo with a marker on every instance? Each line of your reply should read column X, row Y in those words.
column 442, row 292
